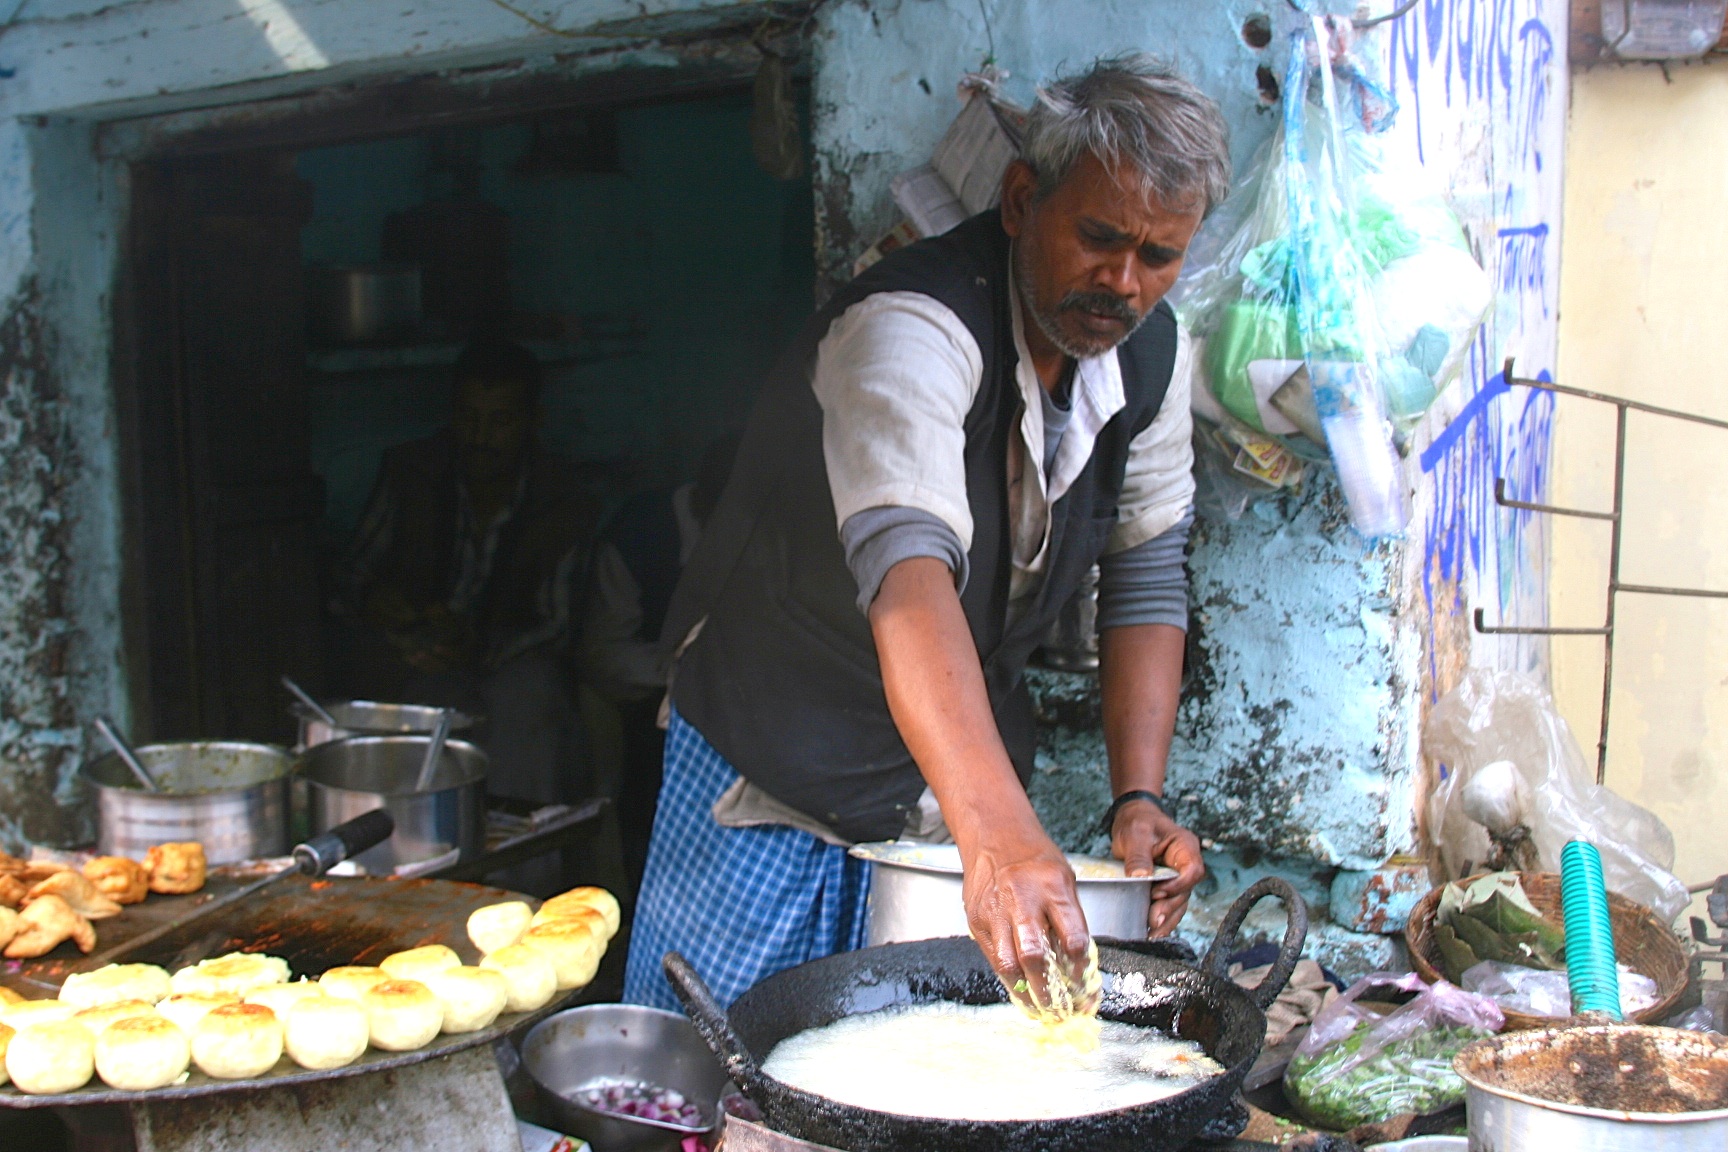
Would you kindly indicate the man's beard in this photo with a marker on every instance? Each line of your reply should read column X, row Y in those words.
column 1080, row 346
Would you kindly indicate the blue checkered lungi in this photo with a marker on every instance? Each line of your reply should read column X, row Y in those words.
column 740, row 903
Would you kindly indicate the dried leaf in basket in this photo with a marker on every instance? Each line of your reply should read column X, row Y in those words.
column 1493, row 919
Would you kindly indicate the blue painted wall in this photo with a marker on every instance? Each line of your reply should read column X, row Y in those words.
column 691, row 237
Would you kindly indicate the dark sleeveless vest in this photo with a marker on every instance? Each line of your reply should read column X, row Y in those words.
column 783, row 679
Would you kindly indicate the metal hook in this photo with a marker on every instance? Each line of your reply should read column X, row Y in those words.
column 1364, row 24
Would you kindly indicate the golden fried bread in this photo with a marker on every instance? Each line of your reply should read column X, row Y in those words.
column 12, row 890
column 29, row 1012
column 471, row 997
column 115, row 982
column 598, row 899
column 142, row 1052
column 573, row 946
column 44, row 924
column 326, row 1032
column 98, row 1018
column 80, row 895
column 46, row 1059
column 176, row 869
column 529, row 978
column 402, row 1015
column 236, row 974
column 10, row 925
column 6, row 1034
column 280, row 997
column 350, row 982
column 237, row 1041
column 419, row 963
column 187, row 1008
column 121, row 879
column 498, row 925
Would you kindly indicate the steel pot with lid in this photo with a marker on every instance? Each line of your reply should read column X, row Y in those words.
column 231, row 797
column 355, row 775
column 372, row 718
column 1195, row 1003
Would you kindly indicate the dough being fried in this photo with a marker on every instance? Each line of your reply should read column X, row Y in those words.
column 80, row 895
column 350, row 982
column 12, row 890
column 597, row 899
column 281, row 997
column 529, row 977
column 99, row 1018
column 235, row 974
column 142, row 1052
column 115, row 982
column 471, row 997
column 573, row 947
column 175, row 869
column 325, row 1032
column 44, row 924
column 9, row 998
column 402, row 1015
column 419, row 963
column 498, row 925
column 237, row 1041
column 46, row 1059
column 122, row 880
column 187, row 1008
column 6, row 1034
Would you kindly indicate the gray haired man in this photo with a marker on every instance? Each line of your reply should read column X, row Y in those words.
column 954, row 440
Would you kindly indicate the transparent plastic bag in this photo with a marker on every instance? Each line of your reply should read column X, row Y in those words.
column 1535, row 992
column 1344, row 296
column 1357, row 1066
column 1494, row 719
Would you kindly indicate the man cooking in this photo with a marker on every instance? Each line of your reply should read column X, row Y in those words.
column 953, row 441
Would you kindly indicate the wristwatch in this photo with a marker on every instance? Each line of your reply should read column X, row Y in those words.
column 1108, row 824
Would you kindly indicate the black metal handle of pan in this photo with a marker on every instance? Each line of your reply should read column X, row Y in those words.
column 343, row 842
column 711, row 1021
column 1224, row 944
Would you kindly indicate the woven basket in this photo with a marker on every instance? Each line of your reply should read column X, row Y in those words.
column 1641, row 942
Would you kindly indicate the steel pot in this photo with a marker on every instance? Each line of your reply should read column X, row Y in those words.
column 370, row 718
column 347, row 777
column 1199, row 1004
column 915, row 893
column 364, row 303
column 1596, row 1089
column 575, row 1047
column 230, row 797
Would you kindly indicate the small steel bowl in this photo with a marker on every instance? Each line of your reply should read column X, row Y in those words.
column 573, row 1048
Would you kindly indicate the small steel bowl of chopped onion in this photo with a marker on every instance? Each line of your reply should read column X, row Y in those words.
column 623, row 1077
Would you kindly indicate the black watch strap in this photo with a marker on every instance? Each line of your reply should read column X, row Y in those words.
column 1108, row 824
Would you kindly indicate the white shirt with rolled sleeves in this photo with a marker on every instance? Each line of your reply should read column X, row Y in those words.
column 896, row 375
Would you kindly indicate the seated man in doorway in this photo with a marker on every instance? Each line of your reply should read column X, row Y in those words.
column 463, row 572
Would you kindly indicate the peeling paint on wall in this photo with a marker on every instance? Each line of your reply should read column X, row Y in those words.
column 39, row 737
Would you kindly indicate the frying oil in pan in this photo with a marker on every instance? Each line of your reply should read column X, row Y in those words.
column 986, row 1062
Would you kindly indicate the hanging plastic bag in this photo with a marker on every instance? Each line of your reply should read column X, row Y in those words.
column 1493, row 720
column 1344, row 296
column 1357, row 1066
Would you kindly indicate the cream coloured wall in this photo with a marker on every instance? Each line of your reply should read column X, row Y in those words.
column 1644, row 314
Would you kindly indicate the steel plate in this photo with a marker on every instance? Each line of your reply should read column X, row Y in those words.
column 315, row 925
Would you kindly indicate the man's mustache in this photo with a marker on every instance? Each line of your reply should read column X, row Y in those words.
column 1106, row 304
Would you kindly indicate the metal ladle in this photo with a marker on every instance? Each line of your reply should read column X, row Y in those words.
column 124, row 751
column 434, row 750
column 305, row 698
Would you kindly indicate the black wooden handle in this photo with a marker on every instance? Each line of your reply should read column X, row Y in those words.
column 711, row 1021
column 1295, row 933
column 343, row 842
